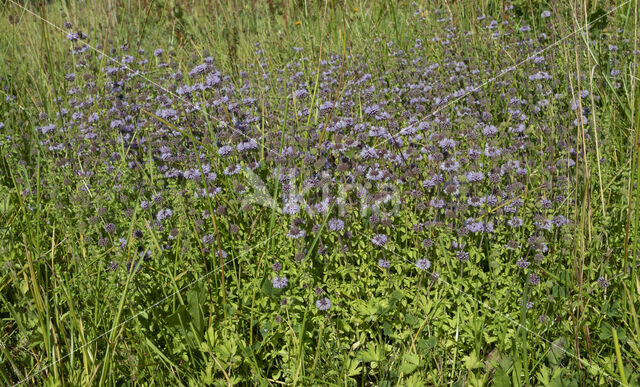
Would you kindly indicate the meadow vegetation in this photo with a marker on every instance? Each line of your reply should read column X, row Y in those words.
column 310, row 192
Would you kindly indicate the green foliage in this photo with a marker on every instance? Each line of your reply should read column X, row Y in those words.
column 63, row 308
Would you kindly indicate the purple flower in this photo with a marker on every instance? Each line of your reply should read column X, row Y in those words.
column 490, row 131
column 225, row 150
column 534, row 279
column 116, row 124
column 475, row 226
column 374, row 174
column 323, row 304
column 220, row 252
column 451, row 186
column 72, row 36
column 296, row 233
column 560, row 220
column 603, row 282
column 299, row 94
column 372, row 110
column 515, row 222
column 336, row 224
column 326, row 106
column 280, row 282
column 423, row 264
column 463, row 256
column 164, row 214
column 213, row 79
column 545, row 14
column 323, row 206
column 545, row 203
column 544, row 225
column 251, row 144
column 291, row 207
column 232, row 170
column 197, row 70
column 436, row 203
column 447, row 143
column 450, row 166
column 433, row 181
column 383, row 263
column 379, row 240
column 277, row 266
column 474, row 177
column 47, row 128
column 476, row 201
column 167, row 114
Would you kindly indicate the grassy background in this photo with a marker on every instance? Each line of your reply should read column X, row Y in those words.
column 606, row 213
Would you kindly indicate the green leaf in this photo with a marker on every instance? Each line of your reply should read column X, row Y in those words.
column 414, row 381
column 472, row 362
column 412, row 320
column 266, row 287
column 409, row 363
column 605, row 332
column 369, row 355
column 178, row 319
column 353, row 368
column 501, row 378
column 544, row 376
column 387, row 329
column 557, row 351
column 195, row 298
column 428, row 344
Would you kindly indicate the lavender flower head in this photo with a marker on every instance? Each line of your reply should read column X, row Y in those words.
column 336, row 224
column 164, row 214
column 280, row 282
column 603, row 282
column 423, row 264
column 379, row 240
column 383, row 263
column 463, row 256
column 323, row 304
column 534, row 279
